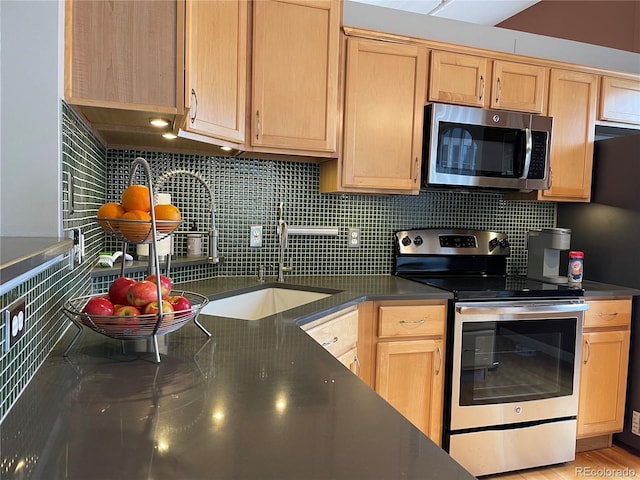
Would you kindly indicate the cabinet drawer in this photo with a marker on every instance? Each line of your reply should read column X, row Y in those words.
column 337, row 335
column 411, row 320
column 608, row 313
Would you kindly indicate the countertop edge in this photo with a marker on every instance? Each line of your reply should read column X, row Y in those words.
column 21, row 255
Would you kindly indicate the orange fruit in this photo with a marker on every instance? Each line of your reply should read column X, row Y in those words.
column 136, row 197
column 135, row 225
column 164, row 213
column 110, row 210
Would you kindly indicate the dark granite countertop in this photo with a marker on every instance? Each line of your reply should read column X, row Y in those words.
column 258, row 400
column 20, row 255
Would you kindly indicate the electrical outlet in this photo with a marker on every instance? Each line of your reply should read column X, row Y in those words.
column 255, row 238
column 354, row 238
column 635, row 422
column 15, row 322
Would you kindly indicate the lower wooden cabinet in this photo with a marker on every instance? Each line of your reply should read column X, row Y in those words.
column 338, row 334
column 605, row 358
column 402, row 354
column 409, row 376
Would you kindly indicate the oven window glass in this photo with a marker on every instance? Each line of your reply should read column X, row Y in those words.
column 480, row 150
column 517, row 360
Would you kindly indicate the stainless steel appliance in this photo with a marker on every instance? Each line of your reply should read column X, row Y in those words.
column 543, row 253
column 512, row 351
column 475, row 147
column 607, row 231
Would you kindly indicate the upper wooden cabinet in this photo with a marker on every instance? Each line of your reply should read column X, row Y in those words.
column 572, row 104
column 457, row 78
column 296, row 58
column 520, row 87
column 620, row 100
column 122, row 54
column 123, row 63
column 467, row 80
column 293, row 62
column 216, row 68
column 384, row 101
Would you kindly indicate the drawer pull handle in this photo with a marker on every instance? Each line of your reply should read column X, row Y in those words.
column 439, row 360
column 412, row 323
column 586, row 358
column 610, row 315
column 330, row 342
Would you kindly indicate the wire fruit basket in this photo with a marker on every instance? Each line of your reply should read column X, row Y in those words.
column 161, row 320
column 135, row 326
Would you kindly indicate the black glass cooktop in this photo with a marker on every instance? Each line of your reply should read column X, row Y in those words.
column 498, row 287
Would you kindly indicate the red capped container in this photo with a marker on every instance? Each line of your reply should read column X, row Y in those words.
column 576, row 265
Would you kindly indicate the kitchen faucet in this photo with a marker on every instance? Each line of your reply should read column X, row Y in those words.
column 283, row 241
column 213, row 256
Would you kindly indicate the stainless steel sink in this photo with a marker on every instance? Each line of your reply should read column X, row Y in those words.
column 262, row 303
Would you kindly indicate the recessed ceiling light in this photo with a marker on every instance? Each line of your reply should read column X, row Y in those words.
column 226, row 149
column 159, row 122
column 169, row 135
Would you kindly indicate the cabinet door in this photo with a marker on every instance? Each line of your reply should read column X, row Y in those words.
column 122, row 54
column 385, row 91
column 295, row 57
column 572, row 104
column 519, row 87
column 409, row 375
column 216, row 68
column 603, row 382
column 620, row 100
column 457, row 78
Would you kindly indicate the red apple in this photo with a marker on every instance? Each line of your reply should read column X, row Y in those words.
column 128, row 319
column 165, row 284
column 119, row 288
column 142, row 293
column 98, row 306
column 167, row 311
column 180, row 304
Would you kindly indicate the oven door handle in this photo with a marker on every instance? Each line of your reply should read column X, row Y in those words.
column 502, row 309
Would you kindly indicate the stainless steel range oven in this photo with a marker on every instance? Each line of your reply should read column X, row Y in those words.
column 513, row 351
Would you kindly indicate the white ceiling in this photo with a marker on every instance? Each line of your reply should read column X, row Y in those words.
column 483, row 12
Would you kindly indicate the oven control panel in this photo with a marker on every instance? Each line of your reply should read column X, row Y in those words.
column 438, row 241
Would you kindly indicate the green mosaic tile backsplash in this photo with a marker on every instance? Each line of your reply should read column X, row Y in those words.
column 247, row 192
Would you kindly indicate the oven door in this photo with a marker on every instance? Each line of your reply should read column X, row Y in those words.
column 515, row 362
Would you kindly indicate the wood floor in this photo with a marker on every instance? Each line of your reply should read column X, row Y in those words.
column 606, row 463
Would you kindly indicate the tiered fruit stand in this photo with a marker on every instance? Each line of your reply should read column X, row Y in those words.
column 143, row 326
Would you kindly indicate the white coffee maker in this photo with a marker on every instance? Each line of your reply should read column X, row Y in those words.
column 543, row 249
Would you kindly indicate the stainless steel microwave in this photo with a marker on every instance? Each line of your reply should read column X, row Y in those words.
column 475, row 147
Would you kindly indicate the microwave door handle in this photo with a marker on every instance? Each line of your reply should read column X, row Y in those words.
column 527, row 155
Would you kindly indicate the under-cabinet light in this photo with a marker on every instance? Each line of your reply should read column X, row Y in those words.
column 226, row 149
column 169, row 135
column 159, row 122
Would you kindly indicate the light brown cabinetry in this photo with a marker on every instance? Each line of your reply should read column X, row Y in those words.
column 605, row 357
column 216, row 68
column 620, row 100
column 294, row 61
column 410, row 362
column 469, row 80
column 385, row 92
column 572, row 104
column 123, row 64
column 296, row 56
column 338, row 334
